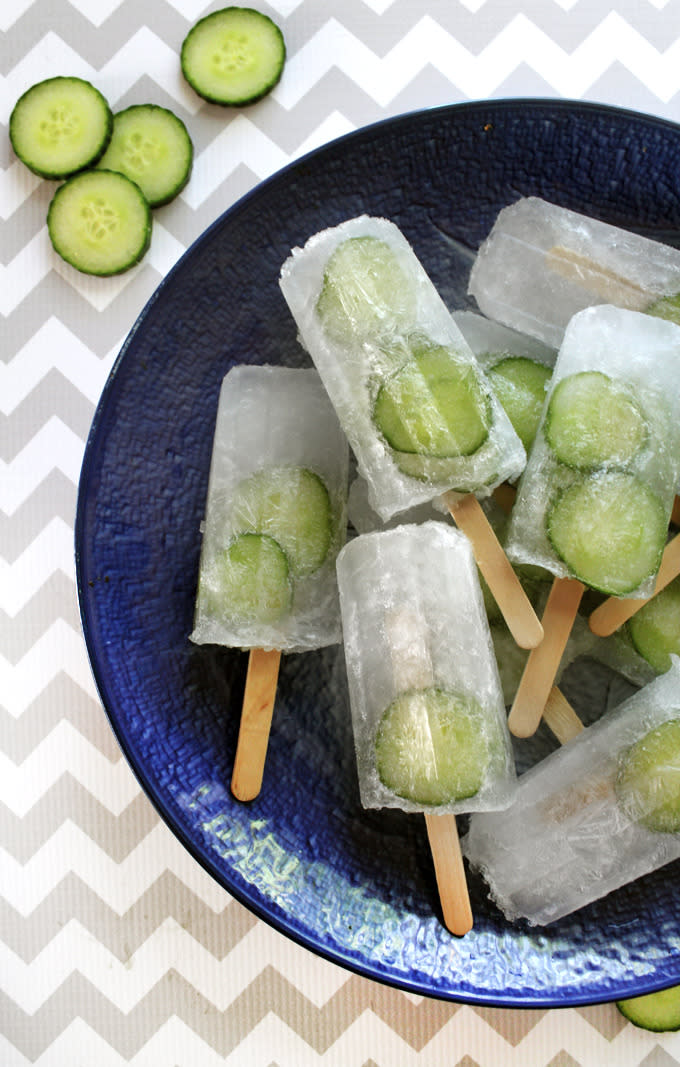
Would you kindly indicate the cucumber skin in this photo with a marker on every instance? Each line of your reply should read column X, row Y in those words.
column 54, row 206
column 212, row 98
column 60, row 175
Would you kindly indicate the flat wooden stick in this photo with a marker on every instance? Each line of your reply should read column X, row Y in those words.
column 256, row 719
column 559, row 715
column 610, row 287
column 614, row 611
column 514, row 604
column 543, row 662
column 442, row 833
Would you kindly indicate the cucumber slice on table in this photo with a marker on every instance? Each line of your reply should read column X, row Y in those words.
column 291, row 505
column 365, row 292
column 60, row 126
column 594, row 421
column 151, row 146
column 658, row 1011
column 655, row 627
column 100, row 222
column 610, row 529
column 520, row 384
column 436, row 405
column 648, row 781
column 431, row 748
column 252, row 581
column 233, row 56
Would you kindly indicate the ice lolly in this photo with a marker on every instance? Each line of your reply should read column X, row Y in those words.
column 428, row 716
column 593, row 816
column 595, row 499
column 542, row 263
column 417, row 409
column 275, row 520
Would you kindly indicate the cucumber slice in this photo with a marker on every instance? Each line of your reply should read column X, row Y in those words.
column 60, row 126
column 658, row 1011
column 520, row 384
column 365, row 292
column 100, row 222
column 667, row 307
column 252, row 581
column 291, row 505
column 431, row 748
column 610, row 529
column 435, row 406
column 648, row 781
column 655, row 627
column 151, row 146
column 593, row 421
column 234, row 56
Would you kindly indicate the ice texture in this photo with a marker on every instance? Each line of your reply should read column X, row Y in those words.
column 270, row 418
column 413, row 618
column 354, row 365
column 567, row 840
column 491, row 341
column 642, row 353
column 542, row 263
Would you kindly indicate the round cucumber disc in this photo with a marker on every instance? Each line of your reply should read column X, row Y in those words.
column 610, row 530
column 366, row 292
column 251, row 581
column 594, row 421
column 520, row 384
column 431, row 747
column 648, row 781
column 658, row 1012
column 291, row 505
column 655, row 627
column 233, row 56
column 151, row 146
column 435, row 406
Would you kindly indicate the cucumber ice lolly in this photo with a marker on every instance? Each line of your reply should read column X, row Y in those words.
column 417, row 409
column 275, row 520
column 427, row 710
column 542, row 263
column 596, row 814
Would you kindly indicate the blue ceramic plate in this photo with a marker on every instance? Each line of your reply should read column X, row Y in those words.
column 354, row 886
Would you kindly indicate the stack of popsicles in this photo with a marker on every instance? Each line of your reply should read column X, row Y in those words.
column 444, row 413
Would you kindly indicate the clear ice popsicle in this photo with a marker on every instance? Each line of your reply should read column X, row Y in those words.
column 417, row 409
column 591, row 817
column 275, row 520
column 595, row 499
column 428, row 717
column 541, row 264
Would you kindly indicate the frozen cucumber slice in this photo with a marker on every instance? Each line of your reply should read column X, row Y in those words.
column 100, row 222
column 292, row 505
column 431, row 747
column 436, row 405
column 365, row 292
column 666, row 307
column 655, row 627
column 593, row 421
column 233, row 56
column 60, row 126
column 520, row 384
column 151, row 146
column 648, row 780
column 252, row 581
column 610, row 530
column 659, row 1011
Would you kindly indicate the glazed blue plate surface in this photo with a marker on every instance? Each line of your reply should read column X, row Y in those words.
column 354, row 886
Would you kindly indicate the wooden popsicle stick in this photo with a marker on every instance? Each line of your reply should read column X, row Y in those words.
column 442, row 833
column 559, row 715
column 256, row 719
column 514, row 604
column 614, row 611
column 609, row 287
column 543, row 662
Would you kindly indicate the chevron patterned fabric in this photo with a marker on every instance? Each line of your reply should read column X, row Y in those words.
column 115, row 946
